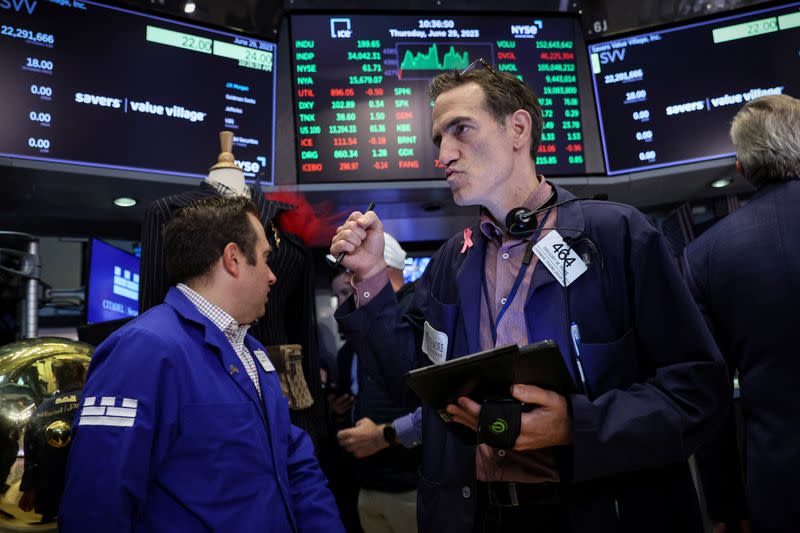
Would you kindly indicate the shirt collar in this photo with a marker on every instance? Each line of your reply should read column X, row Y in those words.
column 224, row 190
column 492, row 229
column 219, row 317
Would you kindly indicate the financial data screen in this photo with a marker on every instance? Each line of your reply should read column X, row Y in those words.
column 82, row 82
column 362, row 110
column 668, row 97
column 113, row 284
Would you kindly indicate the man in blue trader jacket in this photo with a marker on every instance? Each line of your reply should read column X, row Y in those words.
column 182, row 424
column 743, row 273
column 651, row 381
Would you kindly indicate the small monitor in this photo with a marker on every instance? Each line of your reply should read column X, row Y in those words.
column 414, row 268
column 112, row 288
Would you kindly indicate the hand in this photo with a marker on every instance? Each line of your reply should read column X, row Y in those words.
column 340, row 404
column 363, row 440
column 547, row 425
column 26, row 502
column 361, row 238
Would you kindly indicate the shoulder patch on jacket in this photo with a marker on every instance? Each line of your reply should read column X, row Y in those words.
column 109, row 411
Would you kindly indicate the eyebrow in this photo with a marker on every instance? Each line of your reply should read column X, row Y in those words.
column 437, row 138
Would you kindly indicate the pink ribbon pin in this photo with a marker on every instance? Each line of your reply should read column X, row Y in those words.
column 467, row 240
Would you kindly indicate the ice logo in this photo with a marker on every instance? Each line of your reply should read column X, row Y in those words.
column 341, row 28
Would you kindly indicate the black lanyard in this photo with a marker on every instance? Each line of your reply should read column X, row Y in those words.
column 526, row 260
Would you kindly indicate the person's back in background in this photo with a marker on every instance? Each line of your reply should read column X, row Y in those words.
column 744, row 272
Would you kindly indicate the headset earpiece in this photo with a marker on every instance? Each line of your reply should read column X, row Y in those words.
column 521, row 222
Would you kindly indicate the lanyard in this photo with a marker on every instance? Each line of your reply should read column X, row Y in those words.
column 526, row 260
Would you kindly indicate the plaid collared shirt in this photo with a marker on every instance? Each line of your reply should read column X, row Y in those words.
column 233, row 331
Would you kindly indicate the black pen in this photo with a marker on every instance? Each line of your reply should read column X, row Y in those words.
column 341, row 255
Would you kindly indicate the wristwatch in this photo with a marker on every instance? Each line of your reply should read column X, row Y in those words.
column 389, row 434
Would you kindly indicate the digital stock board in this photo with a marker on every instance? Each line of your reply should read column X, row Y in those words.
column 668, row 97
column 362, row 109
column 91, row 84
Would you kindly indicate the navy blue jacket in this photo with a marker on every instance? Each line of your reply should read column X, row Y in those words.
column 657, row 378
column 185, row 443
column 744, row 273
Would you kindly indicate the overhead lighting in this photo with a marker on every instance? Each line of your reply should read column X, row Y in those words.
column 722, row 182
column 124, row 201
column 189, row 7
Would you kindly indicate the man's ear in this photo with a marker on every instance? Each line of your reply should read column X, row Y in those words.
column 231, row 259
column 521, row 123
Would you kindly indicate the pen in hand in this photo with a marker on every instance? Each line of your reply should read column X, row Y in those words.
column 341, row 255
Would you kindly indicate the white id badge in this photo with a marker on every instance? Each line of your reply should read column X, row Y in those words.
column 266, row 364
column 434, row 344
column 553, row 252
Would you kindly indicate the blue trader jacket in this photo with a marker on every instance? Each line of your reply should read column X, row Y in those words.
column 172, row 436
column 658, row 383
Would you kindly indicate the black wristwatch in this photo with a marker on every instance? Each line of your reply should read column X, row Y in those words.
column 390, row 434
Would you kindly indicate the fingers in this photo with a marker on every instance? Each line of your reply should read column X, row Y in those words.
column 465, row 412
column 368, row 220
column 469, row 405
column 349, row 236
column 535, row 395
column 344, row 434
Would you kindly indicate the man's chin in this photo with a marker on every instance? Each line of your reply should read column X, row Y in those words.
column 462, row 199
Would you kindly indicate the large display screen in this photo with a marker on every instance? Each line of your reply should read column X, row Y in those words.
column 112, row 289
column 360, row 83
column 87, row 83
column 668, row 97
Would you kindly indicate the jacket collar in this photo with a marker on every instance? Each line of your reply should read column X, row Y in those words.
column 219, row 344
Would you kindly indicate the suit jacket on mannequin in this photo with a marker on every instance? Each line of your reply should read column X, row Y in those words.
column 290, row 316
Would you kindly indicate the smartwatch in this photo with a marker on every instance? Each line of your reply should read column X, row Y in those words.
column 389, row 433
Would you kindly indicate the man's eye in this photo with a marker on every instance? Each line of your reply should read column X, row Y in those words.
column 460, row 129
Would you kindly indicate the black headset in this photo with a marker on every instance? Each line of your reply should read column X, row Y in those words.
column 521, row 221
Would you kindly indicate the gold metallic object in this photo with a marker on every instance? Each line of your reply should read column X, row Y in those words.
column 59, row 434
column 40, row 387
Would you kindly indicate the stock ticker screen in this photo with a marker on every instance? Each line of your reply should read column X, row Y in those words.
column 86, row 83
column 360, row 82
column 668, row 97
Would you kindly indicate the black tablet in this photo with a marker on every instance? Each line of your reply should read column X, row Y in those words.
column 490, row 374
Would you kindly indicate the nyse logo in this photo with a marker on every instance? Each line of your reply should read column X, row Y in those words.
column 612, row 56
column 341, row 28
column 526, row 32
column 17, row 5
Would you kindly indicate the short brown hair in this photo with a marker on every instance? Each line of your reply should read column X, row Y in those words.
column 503, row 93
column 197, row 234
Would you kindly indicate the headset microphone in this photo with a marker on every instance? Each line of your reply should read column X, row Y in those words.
column 521, row 222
